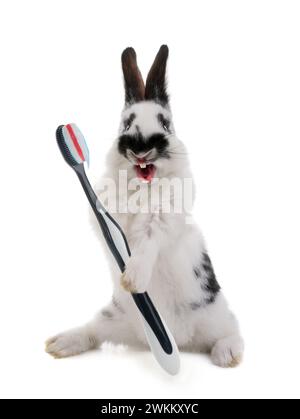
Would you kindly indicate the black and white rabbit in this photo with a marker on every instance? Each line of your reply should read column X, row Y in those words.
column 169, row 257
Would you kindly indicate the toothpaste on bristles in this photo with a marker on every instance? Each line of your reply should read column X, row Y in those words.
column 72, row 144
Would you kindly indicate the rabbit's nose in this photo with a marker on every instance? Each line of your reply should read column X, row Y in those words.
column 141, row 156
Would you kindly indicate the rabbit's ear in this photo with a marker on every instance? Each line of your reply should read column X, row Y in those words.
column 133, row 80
column 156, row 88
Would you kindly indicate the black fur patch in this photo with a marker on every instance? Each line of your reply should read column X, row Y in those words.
column 211, row 299
column 128, row 121
column 212, row 284
column 138, row 144
column 209, row 284
column 164, row 122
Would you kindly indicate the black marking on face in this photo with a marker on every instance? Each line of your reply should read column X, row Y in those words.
column 139, row 144
column 164, row 122
column 208, row 281
column 128, row 121
column 106, row 313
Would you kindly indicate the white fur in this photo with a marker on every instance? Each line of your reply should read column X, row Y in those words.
column 164, row 251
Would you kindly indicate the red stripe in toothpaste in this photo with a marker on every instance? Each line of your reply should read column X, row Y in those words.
column 75, row 141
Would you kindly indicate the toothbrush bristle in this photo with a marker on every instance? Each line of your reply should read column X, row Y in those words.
column 72, row 144
column 63, row 147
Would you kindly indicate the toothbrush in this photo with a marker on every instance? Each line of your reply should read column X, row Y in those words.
column 75, row 151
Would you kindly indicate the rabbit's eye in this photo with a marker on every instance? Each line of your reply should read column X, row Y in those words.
column 164, row 122
column 128, row 122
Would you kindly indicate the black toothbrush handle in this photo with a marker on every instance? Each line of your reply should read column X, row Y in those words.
column 142, row 300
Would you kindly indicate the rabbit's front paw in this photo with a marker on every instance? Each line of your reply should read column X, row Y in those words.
column 136, row 276
column 70, row 343
column 228, row 352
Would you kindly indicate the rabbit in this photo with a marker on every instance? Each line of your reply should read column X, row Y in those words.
column 169, row 257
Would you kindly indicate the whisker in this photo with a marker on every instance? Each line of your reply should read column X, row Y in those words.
column 177, row 147
column 178, row 153
column 178, row 157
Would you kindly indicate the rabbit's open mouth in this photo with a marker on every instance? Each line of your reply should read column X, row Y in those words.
column 145, row 171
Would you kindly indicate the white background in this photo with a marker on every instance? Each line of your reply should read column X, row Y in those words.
column 234, row 79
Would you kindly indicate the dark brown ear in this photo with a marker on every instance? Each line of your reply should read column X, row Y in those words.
column 156, row 88
column 133, row 80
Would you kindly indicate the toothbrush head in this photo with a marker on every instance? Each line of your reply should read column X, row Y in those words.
column 72, row 144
